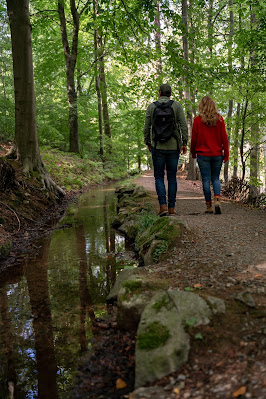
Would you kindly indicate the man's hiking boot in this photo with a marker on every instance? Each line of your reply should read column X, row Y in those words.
column 217, row 205
column 163, row 210
column 209, row 207
column 171, row 211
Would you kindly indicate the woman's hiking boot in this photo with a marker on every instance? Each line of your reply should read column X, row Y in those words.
column 171, row 211
column 163, row 210
column 217, row 205
column 209, row 207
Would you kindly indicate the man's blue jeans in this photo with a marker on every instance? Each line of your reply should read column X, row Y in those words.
column 168, row 159
column 210, row 168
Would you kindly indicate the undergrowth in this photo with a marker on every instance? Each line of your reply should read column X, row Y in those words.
column 72, row 172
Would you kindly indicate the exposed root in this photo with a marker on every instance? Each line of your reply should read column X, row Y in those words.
column 12, row 210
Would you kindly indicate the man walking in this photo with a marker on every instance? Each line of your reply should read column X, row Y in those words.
column 169, row 137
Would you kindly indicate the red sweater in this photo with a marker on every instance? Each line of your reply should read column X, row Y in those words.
column 209, row 141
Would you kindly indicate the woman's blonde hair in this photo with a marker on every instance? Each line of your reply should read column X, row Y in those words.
column 208, row 111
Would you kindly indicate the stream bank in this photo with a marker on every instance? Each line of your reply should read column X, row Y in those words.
column 222, row 256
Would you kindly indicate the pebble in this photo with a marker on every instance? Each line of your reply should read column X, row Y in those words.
column 181, row 377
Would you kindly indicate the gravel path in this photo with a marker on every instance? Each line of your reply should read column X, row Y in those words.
column 224, row 256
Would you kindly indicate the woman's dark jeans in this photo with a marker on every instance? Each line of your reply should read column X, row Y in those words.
column 168, row 159
column 210, row 168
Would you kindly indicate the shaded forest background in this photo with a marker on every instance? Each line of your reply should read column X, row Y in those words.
column 98, row 64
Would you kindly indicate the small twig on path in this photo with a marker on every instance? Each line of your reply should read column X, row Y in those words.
column 12, row 210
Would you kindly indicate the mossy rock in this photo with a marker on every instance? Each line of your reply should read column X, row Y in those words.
column 121, row 191
column 135, row 293
column 140, row 192
column 155, row 251
column 154, row 335
column 164, row 229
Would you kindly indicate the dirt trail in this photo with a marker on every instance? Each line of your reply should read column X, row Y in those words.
column 223, row 255
column 231, row 244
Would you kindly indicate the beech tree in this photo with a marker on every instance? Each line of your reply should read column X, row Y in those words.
column 26, row 141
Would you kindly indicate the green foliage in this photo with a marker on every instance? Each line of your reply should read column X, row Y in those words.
column 226, row 61
column 160, row 249
column 73, row 172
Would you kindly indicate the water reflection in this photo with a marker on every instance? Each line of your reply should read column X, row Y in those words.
column 49, row 303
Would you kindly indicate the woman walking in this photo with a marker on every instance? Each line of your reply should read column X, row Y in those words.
column 209, row 144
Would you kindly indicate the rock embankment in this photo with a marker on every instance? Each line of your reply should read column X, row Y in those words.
column 159, row 313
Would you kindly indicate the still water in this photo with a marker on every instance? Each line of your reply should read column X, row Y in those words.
column 49, row 301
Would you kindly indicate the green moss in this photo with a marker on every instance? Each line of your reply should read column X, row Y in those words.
column 165, row 302
column 154, row 335
column 132, row 285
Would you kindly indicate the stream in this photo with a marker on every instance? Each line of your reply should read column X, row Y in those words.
column 49, row 301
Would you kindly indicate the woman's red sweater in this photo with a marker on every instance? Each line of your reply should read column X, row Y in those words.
column 209, row 141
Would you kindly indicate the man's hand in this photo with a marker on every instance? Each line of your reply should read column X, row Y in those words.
column 183, row 149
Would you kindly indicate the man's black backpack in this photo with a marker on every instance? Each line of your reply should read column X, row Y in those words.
column 163, row 121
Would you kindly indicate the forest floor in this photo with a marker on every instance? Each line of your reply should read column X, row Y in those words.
column 222, row 255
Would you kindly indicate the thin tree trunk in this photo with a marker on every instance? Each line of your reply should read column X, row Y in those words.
column 85, row 296
column 70, row 61
column 100, row 68
column 210, row 37
column 253, row 188
column 237, row 128
column 157, row 24
column 243, row 161
column 236, row 141
column 230, row 105
column 192, row 163
column 98, row 91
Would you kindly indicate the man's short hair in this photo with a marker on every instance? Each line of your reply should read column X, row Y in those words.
column 165, row 90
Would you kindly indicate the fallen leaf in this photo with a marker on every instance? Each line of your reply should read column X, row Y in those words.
column 239, row 392
column 176, row 391
column 120, row 384
column 220, row 363
column 258, row 275
column 197, row 285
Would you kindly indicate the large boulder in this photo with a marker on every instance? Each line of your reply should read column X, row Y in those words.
column 162, row 343
column 135, row 293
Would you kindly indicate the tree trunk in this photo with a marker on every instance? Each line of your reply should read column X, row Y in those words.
column 210, row 38
column 253, row 188
column 26, row 141
column 230, row 105
column 98, row 91
column 157, row 24
column 236, row 143
column 70, row 60
column 192, row 164
column 36, row 273
column 100, row 73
